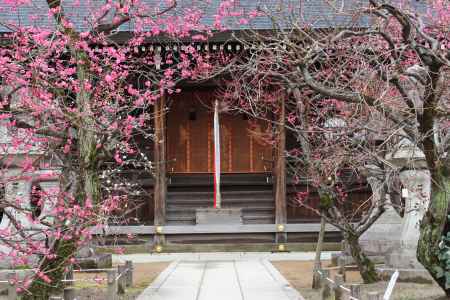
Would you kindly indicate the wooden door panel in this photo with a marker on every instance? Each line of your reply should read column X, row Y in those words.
column 198, row 132
column 190, row 141
column 177, row 135
column 241, row 149
column 262, row 158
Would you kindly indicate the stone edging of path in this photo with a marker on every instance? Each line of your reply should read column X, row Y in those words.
column 158, row 282
column 287, row 288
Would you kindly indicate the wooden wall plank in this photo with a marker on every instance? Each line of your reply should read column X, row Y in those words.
column 177, row 132
column 262, row 153
column 200, row 102
column 241, row 152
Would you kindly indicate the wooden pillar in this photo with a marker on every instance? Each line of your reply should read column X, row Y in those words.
column 280, row 177
column 160, row 186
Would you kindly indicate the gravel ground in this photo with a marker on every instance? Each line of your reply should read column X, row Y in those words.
column 299, row 274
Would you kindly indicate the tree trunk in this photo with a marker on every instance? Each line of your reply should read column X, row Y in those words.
column 365, row 265
column 82, row 177
column 54, row 269
column 87, row 186
column 317, row 262
column 433, row 228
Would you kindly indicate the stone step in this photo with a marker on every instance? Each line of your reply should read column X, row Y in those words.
column 192, row 216
column 246, row 206
column 259, row 220
column 231, row 200
column 224, row 193
column 176, row 209
column 201, row 180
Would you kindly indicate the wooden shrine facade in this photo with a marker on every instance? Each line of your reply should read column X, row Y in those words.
column 254, row 177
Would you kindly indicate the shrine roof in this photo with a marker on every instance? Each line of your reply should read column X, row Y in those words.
column 312, row 13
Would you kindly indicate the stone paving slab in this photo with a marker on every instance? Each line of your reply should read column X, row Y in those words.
column 220, row 281
column 217, row 256
column 254, row 279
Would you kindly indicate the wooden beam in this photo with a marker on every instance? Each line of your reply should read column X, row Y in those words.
column 160, row 186
column 212, row 229
column 280, row 176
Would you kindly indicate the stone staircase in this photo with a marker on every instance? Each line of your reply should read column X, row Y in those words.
column 251, row 192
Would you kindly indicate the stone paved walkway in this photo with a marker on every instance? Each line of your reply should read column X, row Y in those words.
column 253, row 279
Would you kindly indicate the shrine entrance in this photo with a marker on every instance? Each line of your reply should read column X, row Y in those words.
column 190, row 141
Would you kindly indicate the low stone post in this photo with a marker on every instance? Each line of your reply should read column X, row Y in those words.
column 12, row 291
column 341, row 263
column 374, row 296
column 317, row 279
column 130, row 269
column 355, row 291
column 122, row 274
column 69, row 293
column 69, row 276
column 112, row 285
column 325, row 293
column 344, row 247
column 338, row 292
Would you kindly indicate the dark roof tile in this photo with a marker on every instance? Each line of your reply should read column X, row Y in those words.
column 315, row 13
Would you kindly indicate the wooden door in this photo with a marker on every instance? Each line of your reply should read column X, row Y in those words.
column 190, row 141
column 187, row 133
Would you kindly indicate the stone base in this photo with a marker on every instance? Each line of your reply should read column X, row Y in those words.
column 97, row 261
column 416, row 273
column 222, row 216
column 403, row 260
column 378, row 247
column 406, row 275
column 348, row 260
column 85, row 251
column 384, row 235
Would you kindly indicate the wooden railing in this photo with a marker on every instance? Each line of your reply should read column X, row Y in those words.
column 117, row 281
column 336, row 289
